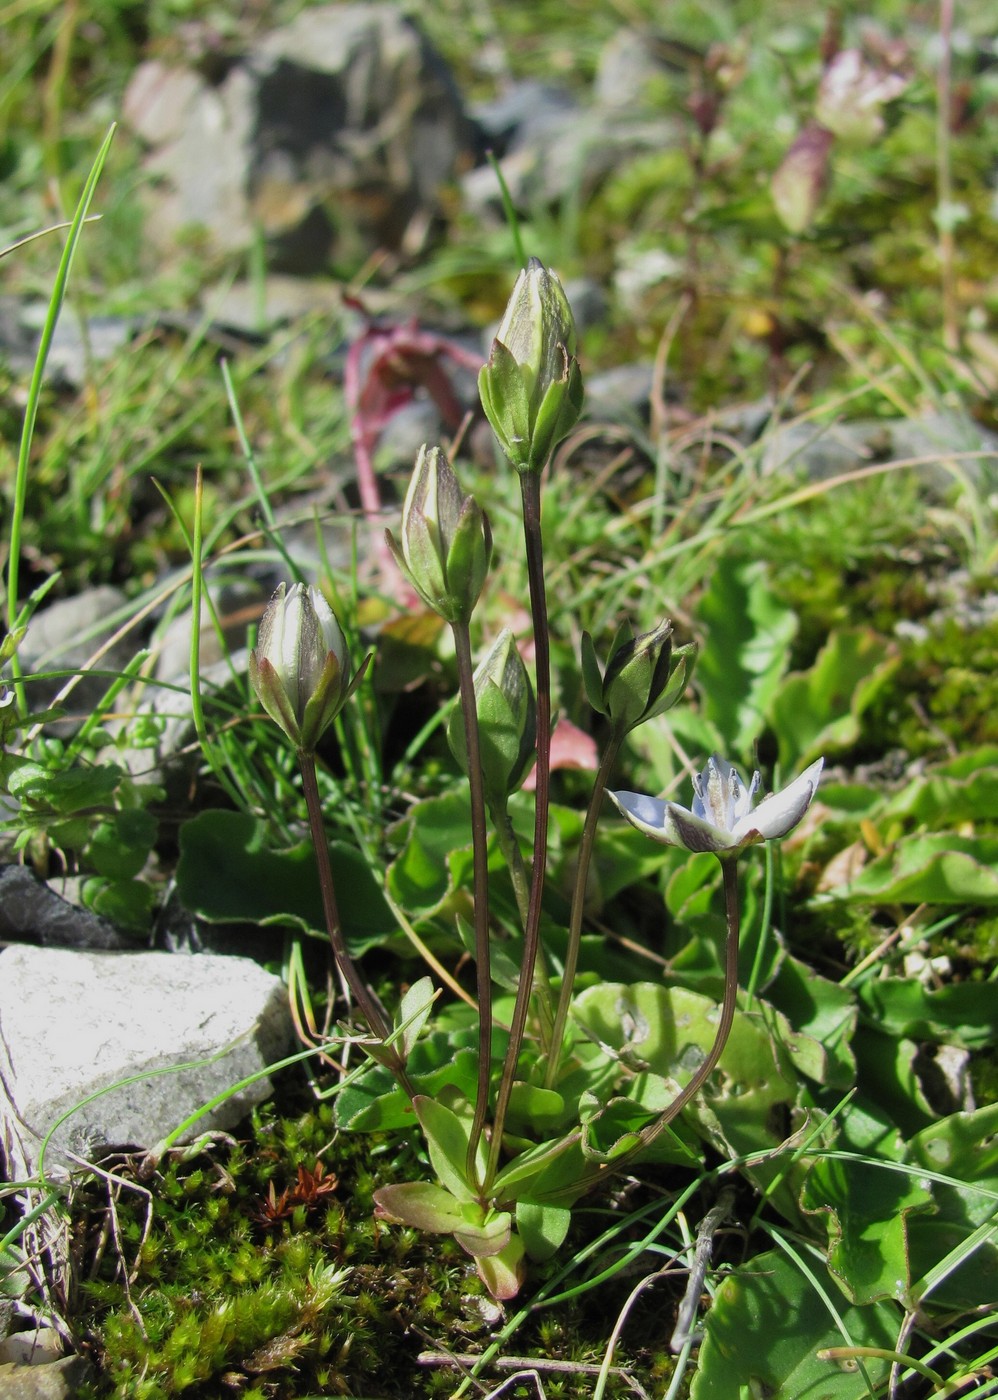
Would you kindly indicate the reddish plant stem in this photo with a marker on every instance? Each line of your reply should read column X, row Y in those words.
column 359, row 990
column 530, row 494
column 479, row 840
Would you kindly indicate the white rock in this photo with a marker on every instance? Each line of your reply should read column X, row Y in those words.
column 74, row 1023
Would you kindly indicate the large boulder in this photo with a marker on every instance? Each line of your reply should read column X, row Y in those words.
column 332, row 138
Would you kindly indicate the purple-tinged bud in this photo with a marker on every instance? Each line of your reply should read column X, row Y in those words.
column 300, row 667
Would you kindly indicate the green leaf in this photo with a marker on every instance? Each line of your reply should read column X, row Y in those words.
column 227, row 874
column 964, row 1147
column 534, row 1111
column 766, row 1326
column 126, row 903
column 120, row 846
column 422, row 1205
column 747, row 1105
column 937, row 869
column 542, row 1228
column 375, row 1101
column 817, row 711
column 66, row 792
column 960, row 1013
column 865, row 1210
column 436, row 855
column 963, row 789
column 747, row 651
column 823, row 1009
column 413, row 1013
column 447, row 1137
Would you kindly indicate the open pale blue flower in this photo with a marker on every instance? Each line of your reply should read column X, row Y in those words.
column 722, row 818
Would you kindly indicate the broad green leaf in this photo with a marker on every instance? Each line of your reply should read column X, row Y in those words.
column 375, row 1101
column 936, row 869
column 767, row 1324
column 748, row 1104
column 126, row 903
column 68, row 791
column 749, row 632
column 447, row 1137
column 226, row 874
column 436, row 855
column 964, row 1147
column 960, row 1013
column 963, row 789
column 823, row 1009
column 542, row 1228
column 886, row 1069
column 817, row 711
column 534, row 1111
column 865, row 1211
column 120, row 845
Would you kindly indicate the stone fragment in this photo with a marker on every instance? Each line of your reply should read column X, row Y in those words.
column 32, row 909
column 332, row 138
column 74, row 1025
column 58, row 1380
column 64, row 636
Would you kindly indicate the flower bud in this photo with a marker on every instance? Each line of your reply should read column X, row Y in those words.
column 531, row 388
column 300, row 668
column 507, row 720
column 644, row 676
column 446, row 540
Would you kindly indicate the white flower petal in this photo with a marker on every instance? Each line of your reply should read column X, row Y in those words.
column 670, row 824
column 779, row 814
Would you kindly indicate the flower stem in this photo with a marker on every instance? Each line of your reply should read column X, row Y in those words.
column 530, row 494
column 361, row 993
column 479, row 841
column 649, row 1134
column 517, row 867
column 578, row 906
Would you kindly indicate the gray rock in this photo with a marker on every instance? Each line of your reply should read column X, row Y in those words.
column 74, row 1024
column 32, row 909
column 333, row 137
column 36, row 1347
column 558, row 150
column 64, row 636
column 820, row 451
column 58, row 1380
column 627, row 66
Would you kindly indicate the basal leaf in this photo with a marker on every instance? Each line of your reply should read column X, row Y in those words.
column 817, row 711
column 542, row 1228
column 766, row 1326
column 227, row 874
column 936, row 869
column 960, row 1013
column 435, row 855
column 865, row 1211
column 964, row 1147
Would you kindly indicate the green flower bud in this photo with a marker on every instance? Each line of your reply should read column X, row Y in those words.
column 446, row 539
column 531, row 388
column 300, row 668
column 644, row 676
column 507, row 720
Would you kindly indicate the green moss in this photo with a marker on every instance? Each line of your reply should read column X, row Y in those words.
column 321, row 1300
